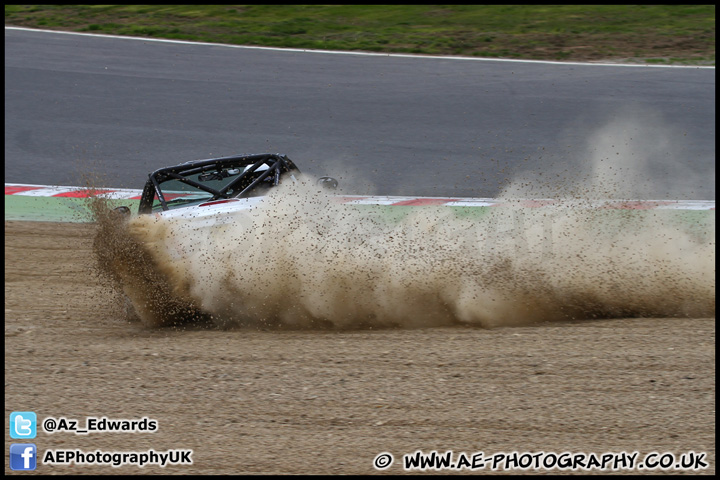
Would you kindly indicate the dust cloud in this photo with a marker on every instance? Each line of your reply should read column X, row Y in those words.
column 302, row 260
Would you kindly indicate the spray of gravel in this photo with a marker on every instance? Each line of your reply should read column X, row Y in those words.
column 300, row 259
column 135, row 284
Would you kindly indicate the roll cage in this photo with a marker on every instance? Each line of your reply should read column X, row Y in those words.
column 214, row 179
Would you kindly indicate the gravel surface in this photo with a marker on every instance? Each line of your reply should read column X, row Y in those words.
column 327, row 402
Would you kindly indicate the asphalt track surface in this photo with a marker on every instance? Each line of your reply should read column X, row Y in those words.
column 389, row 125
column 327, row 402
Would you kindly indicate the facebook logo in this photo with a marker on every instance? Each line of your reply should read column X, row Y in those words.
column 23, row 456
column 23, row 425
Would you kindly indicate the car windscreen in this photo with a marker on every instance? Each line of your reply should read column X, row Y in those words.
column 182, row 193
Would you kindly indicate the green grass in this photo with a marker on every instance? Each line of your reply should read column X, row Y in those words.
column 673, row 34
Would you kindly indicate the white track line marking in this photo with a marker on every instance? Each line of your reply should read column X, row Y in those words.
column 366, row 54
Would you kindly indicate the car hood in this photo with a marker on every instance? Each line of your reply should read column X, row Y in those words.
column 212, row 213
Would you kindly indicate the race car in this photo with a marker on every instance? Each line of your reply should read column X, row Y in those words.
column 193, row 197
column 216, row 181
